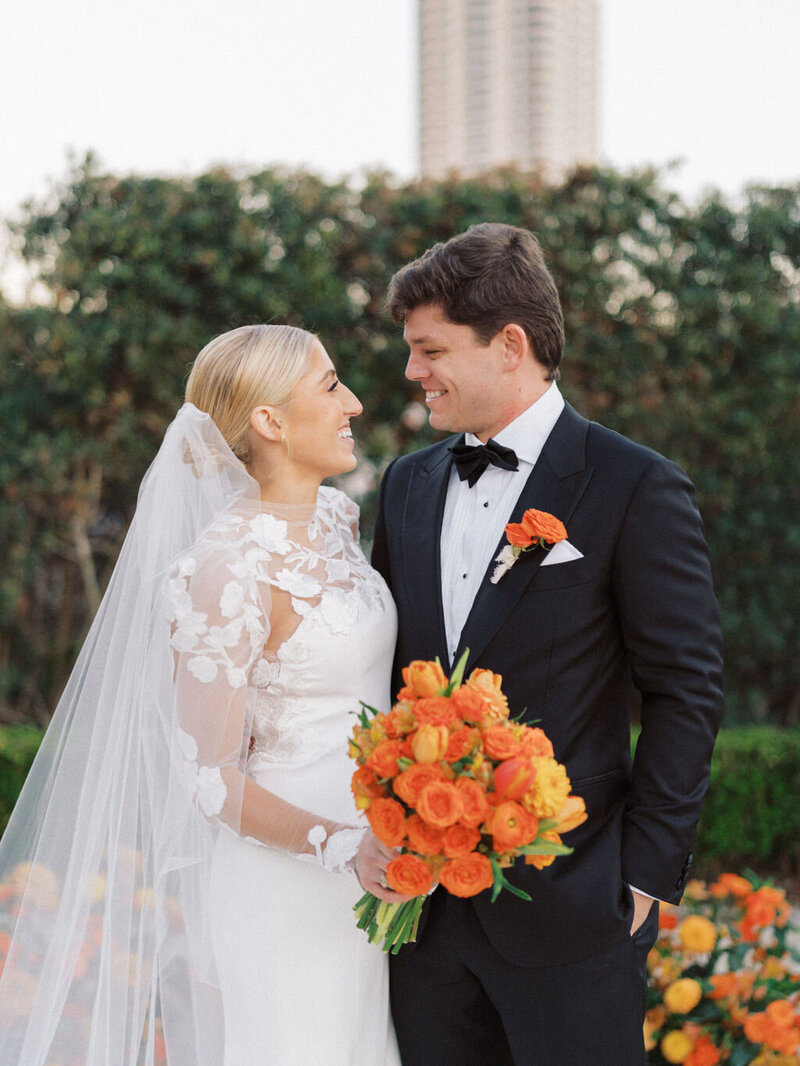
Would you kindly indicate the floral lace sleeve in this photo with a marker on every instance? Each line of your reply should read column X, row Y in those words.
column 217, row 603
column 218, row 625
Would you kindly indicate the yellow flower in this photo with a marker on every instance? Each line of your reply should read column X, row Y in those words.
column 677, row 1046
column 697, row 933
column 682, row 996
column 550, row 789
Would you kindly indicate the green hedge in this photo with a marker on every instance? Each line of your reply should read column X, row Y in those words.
column 751, row 814
column 18, row 746
column 752, row 810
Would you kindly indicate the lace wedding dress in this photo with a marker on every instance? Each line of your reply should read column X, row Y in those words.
column 279, row 626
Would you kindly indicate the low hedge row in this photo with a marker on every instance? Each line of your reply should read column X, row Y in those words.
column 751, row 815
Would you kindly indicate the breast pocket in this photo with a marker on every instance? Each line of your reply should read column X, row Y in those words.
column 564, row 575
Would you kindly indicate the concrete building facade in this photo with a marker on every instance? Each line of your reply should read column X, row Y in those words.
column 507, row 82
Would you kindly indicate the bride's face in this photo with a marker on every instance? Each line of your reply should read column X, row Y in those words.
column 316, row 420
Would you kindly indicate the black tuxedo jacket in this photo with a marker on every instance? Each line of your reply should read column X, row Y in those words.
column 568, row 639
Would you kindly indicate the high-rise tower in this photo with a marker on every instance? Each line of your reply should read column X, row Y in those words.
column 507, row 81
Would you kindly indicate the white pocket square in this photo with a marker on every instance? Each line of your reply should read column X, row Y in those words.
column 562, row 552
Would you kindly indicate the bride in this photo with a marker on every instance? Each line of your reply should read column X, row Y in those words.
column 177, row 879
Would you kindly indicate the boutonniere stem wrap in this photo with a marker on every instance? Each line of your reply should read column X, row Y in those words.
column 538, row 529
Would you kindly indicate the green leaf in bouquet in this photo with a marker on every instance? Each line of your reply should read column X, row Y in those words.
column 457, row 675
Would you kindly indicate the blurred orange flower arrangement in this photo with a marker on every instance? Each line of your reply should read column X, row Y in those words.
column 460, row 788
column 724, row 978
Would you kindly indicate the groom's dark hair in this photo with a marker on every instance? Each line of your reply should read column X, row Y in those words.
column 487, row 277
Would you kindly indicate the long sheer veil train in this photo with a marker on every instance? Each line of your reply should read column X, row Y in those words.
column 104, row 865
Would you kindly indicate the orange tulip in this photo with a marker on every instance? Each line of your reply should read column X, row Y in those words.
column 571, row 815
column 424, row 678
column 513, row 777
column 429, row 743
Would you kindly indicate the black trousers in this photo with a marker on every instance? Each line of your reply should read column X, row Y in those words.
column 456, row 1001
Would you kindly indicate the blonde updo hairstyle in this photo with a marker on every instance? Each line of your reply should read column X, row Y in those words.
column 243, row 369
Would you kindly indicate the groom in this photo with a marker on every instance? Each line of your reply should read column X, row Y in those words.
column 560, row 979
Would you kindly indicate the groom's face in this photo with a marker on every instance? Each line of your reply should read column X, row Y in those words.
column 463, row 378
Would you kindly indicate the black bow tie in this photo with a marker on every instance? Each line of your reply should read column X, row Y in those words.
column 472, row 459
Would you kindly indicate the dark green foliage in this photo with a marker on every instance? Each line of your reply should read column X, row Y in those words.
column 751, row 814
column 18, row 747
column 683, row 332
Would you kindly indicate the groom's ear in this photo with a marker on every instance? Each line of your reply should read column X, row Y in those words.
column 516, row 346
column 266, row 423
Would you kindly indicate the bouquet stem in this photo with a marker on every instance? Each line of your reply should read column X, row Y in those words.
column 394, row 924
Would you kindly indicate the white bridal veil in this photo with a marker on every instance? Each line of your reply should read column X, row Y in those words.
column 104, row 865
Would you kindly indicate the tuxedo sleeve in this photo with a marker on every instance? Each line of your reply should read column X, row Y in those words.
column 380, row 542
column 671, row 631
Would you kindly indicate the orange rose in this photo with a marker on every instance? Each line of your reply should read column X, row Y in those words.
column 540, row 861
column 467, row 876
column 383, row 759
column 723, row 985
column 475, row 805
column 781, row 1013
column 364, row 786
column 429, row 743
column 731, row 885
column 460, row 840
column 435, row 710
column 535, row 527
column 440, row 804
column 388, row 821
column 468, row 703
column 667, row 918
column 408, row 875
column 462, row 742
column 704, row 1053
column 500, row 742
column 534, row 741
column 571, row 815
column 511, row 826
column 424, row 678
column 423, row 838
column 411, row 782
column 513, row 777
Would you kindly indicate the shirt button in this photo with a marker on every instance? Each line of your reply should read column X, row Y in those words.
column 464, row 575
column 485, row 503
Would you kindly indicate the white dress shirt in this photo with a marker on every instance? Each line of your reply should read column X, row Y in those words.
column 474, row 517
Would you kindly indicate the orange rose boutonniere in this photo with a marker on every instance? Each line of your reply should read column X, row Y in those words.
column 538, row 529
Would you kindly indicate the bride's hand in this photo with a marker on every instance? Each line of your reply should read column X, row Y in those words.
column 371, row 862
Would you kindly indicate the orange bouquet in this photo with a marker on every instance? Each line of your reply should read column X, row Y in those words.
column 459, row 788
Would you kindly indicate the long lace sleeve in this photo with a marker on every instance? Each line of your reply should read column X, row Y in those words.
column 220, row 611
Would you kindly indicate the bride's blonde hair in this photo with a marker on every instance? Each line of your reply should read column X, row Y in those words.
column 242, row 369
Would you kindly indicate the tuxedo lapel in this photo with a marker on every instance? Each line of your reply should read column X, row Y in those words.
column 555, row 485
column 422, row 525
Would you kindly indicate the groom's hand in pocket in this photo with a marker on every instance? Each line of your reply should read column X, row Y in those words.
column 371, row 862
column 641, row 908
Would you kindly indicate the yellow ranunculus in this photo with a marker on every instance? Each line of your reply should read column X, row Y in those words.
column 697, row 933
column 550, row 788
column 677, row 1046
column 682, row 996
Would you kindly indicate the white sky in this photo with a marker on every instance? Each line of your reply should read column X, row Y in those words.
column 175, row 85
